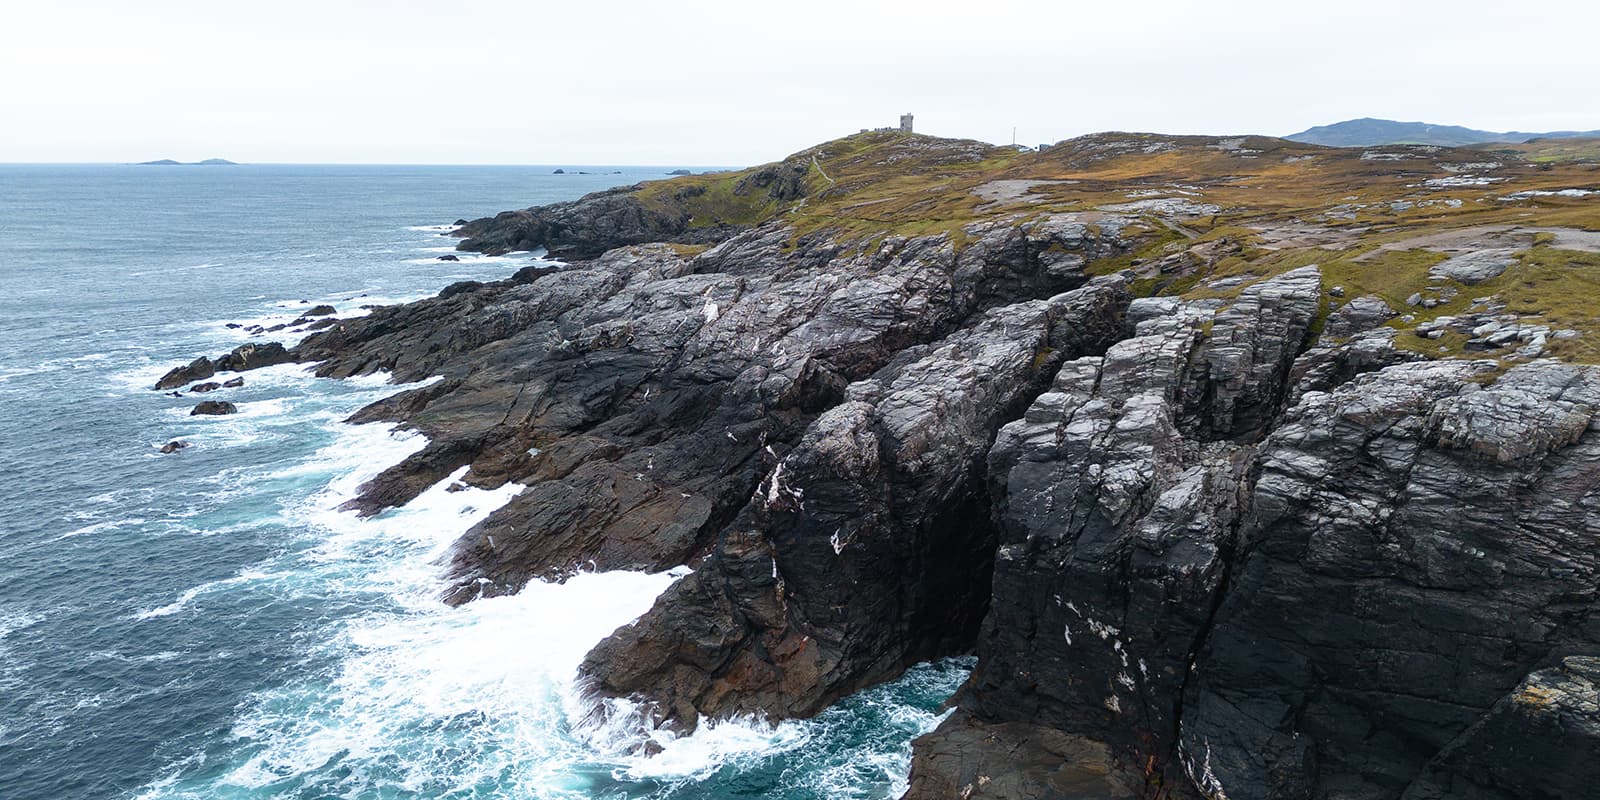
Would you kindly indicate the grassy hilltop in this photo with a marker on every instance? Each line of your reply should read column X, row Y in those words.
column 1219, row 213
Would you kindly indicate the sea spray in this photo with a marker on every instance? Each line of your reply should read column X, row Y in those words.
column 178, row 622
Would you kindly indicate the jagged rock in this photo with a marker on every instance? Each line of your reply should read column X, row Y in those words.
column 173, row 447
column 319, row 311
column 1219, row 557
column 1117, row 505
column 195, row 370
column 585, row 228
column 202, row 388
column 653, row 384
column 872, row 530
column 1542, row 740
column 233, row 383
column 253, row 356
column 213, row 408
column 1415, row 545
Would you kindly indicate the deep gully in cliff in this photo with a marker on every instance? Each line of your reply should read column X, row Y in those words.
column 1246, row 471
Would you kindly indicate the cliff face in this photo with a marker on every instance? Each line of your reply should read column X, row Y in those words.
column 1236, row 537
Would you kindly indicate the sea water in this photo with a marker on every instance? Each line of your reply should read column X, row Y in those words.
column 206, row 624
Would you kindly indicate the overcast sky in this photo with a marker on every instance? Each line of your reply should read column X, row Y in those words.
column 730, row 82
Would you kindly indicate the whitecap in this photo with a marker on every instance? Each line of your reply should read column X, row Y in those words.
column 246, row 575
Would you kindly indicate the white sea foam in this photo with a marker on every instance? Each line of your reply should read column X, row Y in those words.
column 106, row 525
column 188, row 596
column 422, row 699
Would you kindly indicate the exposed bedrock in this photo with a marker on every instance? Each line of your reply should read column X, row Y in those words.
column 644, row 395
column 1344, row 607
column 1200, row 549
column 1118, row 497
column 867, row 547
column 587, row 227
column 1417, row 545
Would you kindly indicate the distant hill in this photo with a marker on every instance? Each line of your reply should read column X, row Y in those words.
column 210, row 162
column 1368, row 132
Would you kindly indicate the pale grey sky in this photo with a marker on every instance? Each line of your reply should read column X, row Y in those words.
column 729, row 82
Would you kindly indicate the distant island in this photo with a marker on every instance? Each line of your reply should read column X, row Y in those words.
column 210, row 162
column 1369, row 132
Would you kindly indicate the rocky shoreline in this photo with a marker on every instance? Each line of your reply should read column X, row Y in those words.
column 1239, row 546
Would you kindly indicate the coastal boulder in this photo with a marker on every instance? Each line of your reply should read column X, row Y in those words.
column 198, row 369
column 253, row 356
column 213, row 408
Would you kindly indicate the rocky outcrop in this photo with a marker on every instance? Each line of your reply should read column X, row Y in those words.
column 213, row 408
column 866, row 548
column 644, row 395
column 244, row 357
column 1343, row 616
column 587, row 227
column 253, row 356
column 1417, row 544
column 1202, row 548
column 1117, row 497
column 1539, row 741
column 199, row 369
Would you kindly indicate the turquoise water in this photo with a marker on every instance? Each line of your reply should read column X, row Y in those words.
column 203, row 624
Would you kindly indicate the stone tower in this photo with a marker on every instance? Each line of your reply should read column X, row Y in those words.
column 905, row 123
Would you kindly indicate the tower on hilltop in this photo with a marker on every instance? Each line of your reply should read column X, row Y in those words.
column 905, row 123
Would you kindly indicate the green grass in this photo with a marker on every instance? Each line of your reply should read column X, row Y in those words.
column 862, row 190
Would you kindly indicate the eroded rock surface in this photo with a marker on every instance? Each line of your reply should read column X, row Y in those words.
column 866, row 548
column 1199, row 549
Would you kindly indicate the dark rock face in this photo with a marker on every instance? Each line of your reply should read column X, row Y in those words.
column 448, row 257
column 213, row 408
column 1015, row 760
column 1416, row 546
column 1340, row 602
column 233, row 383
column 584, row 228
column 1540, row 740
column 199, row 369
column 244, row 357
column 1117, row 504
column 173, row 447
column 865, row 549
column 319, row 311
column 202, row 388
column 645, row 395
column 1198, row 550
column 253, row 356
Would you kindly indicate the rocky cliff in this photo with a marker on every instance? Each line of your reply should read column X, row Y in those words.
column 1135, row 419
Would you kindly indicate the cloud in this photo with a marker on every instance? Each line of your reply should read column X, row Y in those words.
column 721, row 82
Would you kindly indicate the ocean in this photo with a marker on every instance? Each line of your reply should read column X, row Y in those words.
column 205, row 624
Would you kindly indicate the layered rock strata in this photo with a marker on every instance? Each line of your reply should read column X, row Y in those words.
column 1237, row 547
